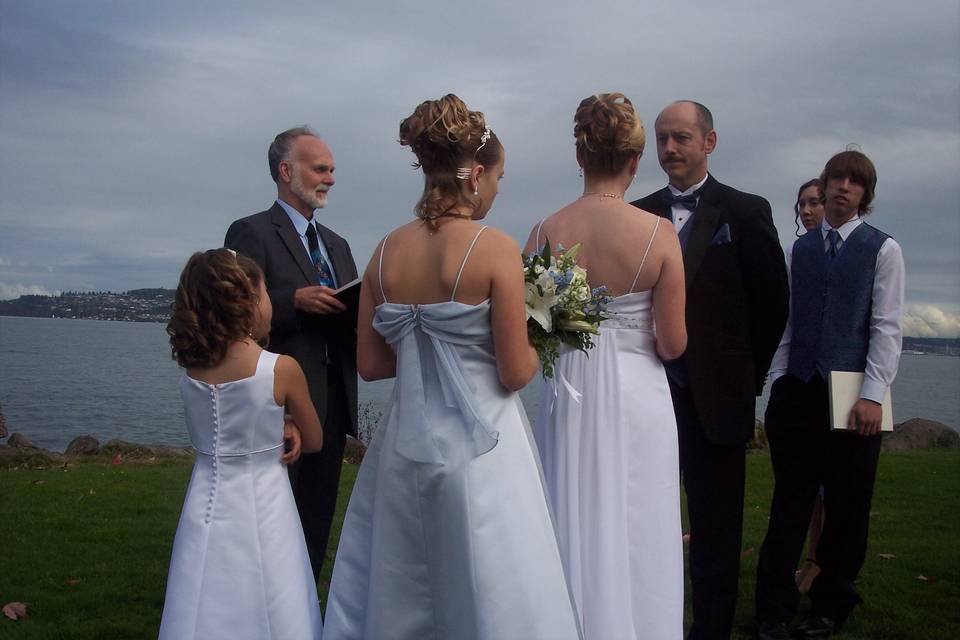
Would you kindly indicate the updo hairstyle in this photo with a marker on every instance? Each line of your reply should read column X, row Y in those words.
column 215, row 305
column 445, row 135
column 608, row 133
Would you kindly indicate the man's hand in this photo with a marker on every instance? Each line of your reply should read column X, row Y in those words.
column 318, row 300
column 865, row 417
column 291, row 441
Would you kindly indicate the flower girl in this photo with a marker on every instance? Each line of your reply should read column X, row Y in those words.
column 239, row 567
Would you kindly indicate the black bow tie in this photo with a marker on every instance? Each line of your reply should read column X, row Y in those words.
column 689, row 201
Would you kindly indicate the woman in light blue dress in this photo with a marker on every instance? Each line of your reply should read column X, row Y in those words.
column 448, row 534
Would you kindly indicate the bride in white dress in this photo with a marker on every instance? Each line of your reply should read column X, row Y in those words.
column 448, row 533
column 610, row 457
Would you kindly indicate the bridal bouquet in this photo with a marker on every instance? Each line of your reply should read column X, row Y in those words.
column 561, row 307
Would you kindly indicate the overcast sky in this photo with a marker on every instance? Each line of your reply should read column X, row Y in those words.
column 133, row 133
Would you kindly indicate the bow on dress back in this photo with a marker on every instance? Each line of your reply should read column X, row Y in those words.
column 429, row 340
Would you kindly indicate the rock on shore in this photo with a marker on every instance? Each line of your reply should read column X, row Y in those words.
column 21, row 452
column 918, row 433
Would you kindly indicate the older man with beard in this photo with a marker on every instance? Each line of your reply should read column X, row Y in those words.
column 304, row 262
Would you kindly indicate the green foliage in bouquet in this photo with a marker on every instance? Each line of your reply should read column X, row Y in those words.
column 562, row 309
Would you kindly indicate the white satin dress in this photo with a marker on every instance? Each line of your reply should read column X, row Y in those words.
column 448, row 534
column 239, row 567
column 612, row 469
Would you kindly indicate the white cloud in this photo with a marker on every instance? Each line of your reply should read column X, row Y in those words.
column 930, row 321
column 12, row 291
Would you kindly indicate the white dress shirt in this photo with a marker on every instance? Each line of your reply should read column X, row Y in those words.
column 680, row 213
column 886, row 333
column 300, row 224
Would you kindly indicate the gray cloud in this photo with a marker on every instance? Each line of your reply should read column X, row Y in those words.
column 134, row 133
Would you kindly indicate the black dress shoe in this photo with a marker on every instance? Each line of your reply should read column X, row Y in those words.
column 774, row 631
column 817, row 627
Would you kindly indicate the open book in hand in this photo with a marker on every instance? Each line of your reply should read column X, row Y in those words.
column 349, row 294
column 844, row 393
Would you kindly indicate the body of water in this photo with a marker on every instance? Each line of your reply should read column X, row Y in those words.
column 64, row 378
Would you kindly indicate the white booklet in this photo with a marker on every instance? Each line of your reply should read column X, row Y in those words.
column 844, row 393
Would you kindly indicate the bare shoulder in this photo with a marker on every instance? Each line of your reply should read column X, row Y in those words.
column 287, row 366
column 494, row 241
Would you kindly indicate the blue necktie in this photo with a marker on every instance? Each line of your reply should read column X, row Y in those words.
column 833, row 239
column 324, row 275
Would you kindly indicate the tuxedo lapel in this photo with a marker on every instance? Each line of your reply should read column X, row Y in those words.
column 291, row 239
column 705, row 224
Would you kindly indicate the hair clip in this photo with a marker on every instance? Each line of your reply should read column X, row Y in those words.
column 232, row 252
column 483, row 141
column 463, row 173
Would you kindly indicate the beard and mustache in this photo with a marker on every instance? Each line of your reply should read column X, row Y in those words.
column 315, row 198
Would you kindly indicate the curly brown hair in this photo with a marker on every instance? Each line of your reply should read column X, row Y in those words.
column 445, row 135
column 608, row 133
column 215, row 305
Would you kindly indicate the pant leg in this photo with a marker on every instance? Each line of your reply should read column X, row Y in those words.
column 797, row 428
column 713, row 478
column 316, row 477
column 848, row 492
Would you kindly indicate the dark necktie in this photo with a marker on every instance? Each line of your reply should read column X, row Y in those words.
column 324, row 276
column 833, row 239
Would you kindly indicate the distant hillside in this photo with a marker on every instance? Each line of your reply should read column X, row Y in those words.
column 942, row 346
column 137, row 305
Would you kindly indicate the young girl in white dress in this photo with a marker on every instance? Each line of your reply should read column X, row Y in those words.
column 610, row 457
column 239, row 567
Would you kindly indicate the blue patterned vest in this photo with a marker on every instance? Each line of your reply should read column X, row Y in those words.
column 831, row 301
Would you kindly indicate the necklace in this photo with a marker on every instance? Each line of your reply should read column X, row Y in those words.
column 615, row 196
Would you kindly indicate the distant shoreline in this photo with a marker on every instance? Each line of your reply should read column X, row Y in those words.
column 912, row 345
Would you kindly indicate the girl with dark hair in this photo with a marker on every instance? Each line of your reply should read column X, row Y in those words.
column 239, row 567
column 809, row 206
column 448, row 534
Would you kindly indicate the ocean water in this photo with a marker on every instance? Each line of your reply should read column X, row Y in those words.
column 64, row 378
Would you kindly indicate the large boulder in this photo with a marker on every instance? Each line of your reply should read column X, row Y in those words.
column 20, row 452
column 921, row 434
column 20, row 441
column 82, row 446
column 136, row 451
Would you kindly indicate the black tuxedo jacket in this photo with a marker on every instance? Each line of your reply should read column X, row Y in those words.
column 737, row 305
column 321, row 344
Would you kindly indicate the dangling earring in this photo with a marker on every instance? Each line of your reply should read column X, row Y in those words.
column 476, row 190
column 580, row 171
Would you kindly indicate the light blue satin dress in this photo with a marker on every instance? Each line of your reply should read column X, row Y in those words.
column 448, row 534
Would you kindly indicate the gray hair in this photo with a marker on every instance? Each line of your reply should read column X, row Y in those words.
column 280, row 147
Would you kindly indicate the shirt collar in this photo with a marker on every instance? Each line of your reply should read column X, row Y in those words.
column 844, row 230
column 299, row 222
column 677, row 192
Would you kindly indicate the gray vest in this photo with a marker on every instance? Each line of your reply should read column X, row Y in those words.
column 831, row 302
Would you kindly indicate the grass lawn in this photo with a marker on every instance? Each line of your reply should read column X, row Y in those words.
column 88, row 548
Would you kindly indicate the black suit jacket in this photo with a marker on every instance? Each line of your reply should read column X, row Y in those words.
column 321, row 344
column 737, row 305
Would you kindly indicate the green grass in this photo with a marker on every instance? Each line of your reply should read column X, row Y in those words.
column 88, row 548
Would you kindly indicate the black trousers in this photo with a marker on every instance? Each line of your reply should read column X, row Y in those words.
column 806, row 453
column 713, row 478
column 315, row 477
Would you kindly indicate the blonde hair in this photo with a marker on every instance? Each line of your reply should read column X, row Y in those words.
column 608, row 133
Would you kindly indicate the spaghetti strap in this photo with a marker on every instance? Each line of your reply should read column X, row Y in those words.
column 537, row 247
column 464, row 263
column 380, row 267
column 647, row 251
